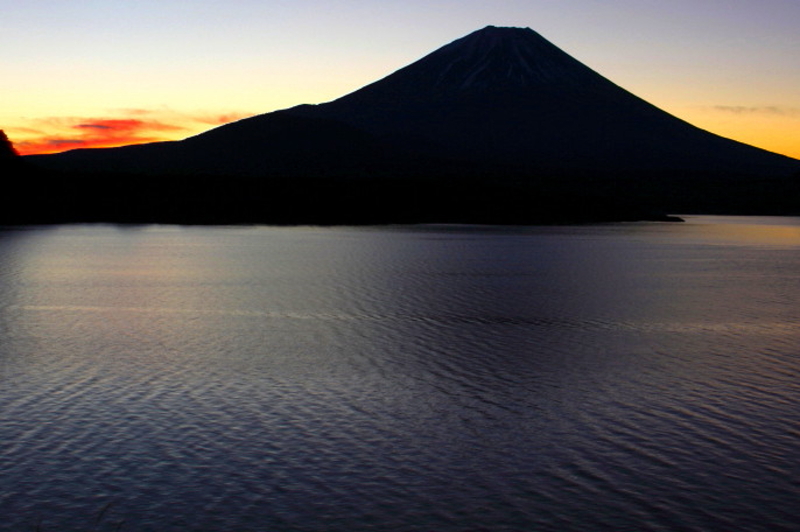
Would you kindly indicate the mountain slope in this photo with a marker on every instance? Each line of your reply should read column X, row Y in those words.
column 499, row 126
column 508, row 94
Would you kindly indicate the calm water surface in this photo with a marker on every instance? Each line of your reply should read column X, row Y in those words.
column 435, row 378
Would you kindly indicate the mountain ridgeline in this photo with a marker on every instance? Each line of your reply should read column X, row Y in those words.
column 499, row 126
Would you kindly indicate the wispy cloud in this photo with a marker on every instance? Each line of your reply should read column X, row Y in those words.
column 214, row 119
column 129, row 126
column 775, row 110
column 219, row 119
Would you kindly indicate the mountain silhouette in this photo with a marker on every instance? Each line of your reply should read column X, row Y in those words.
column 507, row 94
column 500, row 126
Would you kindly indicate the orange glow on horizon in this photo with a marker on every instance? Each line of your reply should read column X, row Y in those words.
column 768, row 128
column 58, row 134
column 771, row 128
column 94, row 133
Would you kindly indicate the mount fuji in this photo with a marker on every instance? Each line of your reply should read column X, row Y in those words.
column 499, row 126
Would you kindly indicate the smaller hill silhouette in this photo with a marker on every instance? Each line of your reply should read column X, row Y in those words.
column 7, row 151
column 500, row 126
column 25, row 194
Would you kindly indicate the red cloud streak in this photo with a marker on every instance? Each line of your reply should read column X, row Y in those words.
column 61, row 134
column 96, row 133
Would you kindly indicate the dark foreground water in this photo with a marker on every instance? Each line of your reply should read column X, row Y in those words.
column 620, row 377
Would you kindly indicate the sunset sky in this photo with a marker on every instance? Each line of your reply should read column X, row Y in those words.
column 112, row 72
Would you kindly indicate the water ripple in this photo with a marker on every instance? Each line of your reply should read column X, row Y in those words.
column 615, row 378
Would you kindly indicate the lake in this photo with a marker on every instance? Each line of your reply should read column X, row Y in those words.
column 624, row 377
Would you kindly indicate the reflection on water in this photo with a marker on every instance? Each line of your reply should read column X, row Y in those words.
column 611, row 377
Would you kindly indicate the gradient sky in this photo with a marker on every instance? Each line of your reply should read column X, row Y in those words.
column 111, row 72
